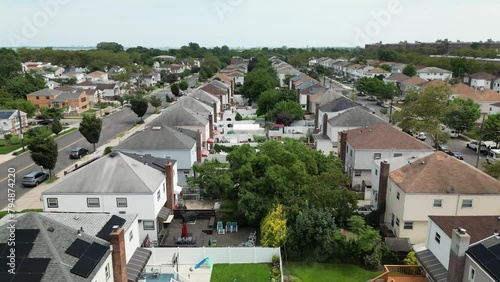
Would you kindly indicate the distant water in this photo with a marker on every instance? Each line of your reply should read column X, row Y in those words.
column 75, row 48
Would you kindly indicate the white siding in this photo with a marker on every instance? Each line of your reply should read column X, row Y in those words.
column 431, row 76
column 442, row 249
column 480, row 275
column 100, row 276
column 131, row 245
column 185, row 158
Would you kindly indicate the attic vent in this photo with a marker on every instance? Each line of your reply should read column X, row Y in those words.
column 156, row 128
column 113, row 154
column 50, row 229
column 76, row 217
column 452, row 188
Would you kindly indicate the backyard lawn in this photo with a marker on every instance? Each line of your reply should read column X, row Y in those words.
column 241, row 272
column 323, row 272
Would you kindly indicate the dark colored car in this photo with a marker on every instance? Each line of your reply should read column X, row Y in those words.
column 45, row 122
column 34, row 178
column 444, row 148
column 456, row 155
column 78, row 153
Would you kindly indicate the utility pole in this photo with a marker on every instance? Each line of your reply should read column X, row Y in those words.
column 480, row 140
column 20, row 127
column 99, row 100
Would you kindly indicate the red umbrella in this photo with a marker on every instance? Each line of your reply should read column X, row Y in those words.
column 184, row 231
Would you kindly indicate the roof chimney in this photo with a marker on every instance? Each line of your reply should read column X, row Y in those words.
column 325, row 124
column 382, row 183
column 117, row 241
column 460, row 241
column 169, row 180
column 198, row 146
column 316, row 115
column 342, row 146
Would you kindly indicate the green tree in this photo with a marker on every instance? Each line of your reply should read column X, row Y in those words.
column 293, row 109
column 425, row 112
column 56, row 127
column 155, row 101
column 52, row 113
column 175, row 89
column 139, row 106
column 462, row 115
column 44, row 152
column 410, row 259
column 10, row 66
column 21, row 85
column 214, row 180
column 110, row 46
column 491, row 128
column 267, row 101
column 238, row 117
column 90, row 128
column 23, row 105
column 386, row 67
column 183, row 85
column 410, row 70
column 388, row 55
column 460, row 66
column 122, row 77
column 273, row 228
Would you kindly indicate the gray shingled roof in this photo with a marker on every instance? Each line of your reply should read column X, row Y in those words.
column 305, row 84
column 150, row 160
column 297, row 77
column 54, row 244
column 355, row 117
column 45, row 92
column 63, row 97
column 203, row 96
column 5, row 114
column 194, row 104
column 339, row 104
column 180, row 116
column 157, row 138
column 219, row 84
column 111, row 174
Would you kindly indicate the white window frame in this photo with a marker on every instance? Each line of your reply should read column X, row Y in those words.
column 357, row 173
column 472, row 274
column 122, row 204
column 464, row 206
column 107, row 272
column 158, row 195
column 398, row 195
column 408, row 225
column 93, row 205
column 50, row 203
column 377, row 156
column 148, row 222
column 440, row 201
column 437, row 238
column 131, row 235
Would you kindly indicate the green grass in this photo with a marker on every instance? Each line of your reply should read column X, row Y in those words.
column 4, row 213
column 52, row 179
column 323, row 272
column 16, row 143
column 241, row 272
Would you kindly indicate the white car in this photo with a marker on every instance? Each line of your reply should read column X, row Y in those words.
column 420, row 136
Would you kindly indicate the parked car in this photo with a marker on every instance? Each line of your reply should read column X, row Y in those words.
column 456, row 155
column 493, row 156
column 475, row 144
column 34, row 178
column 371, row 98
column 45, row 122
column 78, row 153
column 420, row 136
column 444, row 148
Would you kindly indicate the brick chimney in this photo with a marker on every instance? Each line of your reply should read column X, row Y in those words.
column 198, row 146
column 460, row 241
column 214, row 115
column 119, row 260
column 342, row 146
column 233, row 84
column 325, row 124
column 169, row 180
column 316, row 116
column 383, row 180
column 308, row 103
column 228, row 95
column 221, row 102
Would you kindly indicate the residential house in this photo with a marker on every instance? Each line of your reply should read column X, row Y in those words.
column 121, row 185
column 78, row 76
column 223, row 77
column 494, row 109
column 496, row 85
column 358, row 147
column 431, row 73
column 175, row 68
column 335, row 107
column 438, row 184
column 86, row 85
column 148, row 80
column 94, row 96
column 376, row 72
column 76, row 101
column 412, row 83
column 237, row 75
column 10, row 123
column 320, row 97
column 52, row 84
column 43, row 97
column 283, row 70
column 108, row 91
column 396, row 78
column 219, row 90
column 354, row 71
column 164, row 142
column 480, row 80
column 63, row 247
column 328, row 63
column 482, row 97
column 208, row 99
column 397, row 67
column 97, row 76
column 115, row 70
column 452, row 245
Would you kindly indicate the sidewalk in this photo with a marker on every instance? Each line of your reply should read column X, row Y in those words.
column 32, row 199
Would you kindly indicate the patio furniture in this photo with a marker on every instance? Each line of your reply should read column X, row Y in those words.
column 211, row 222
column 228, row 227
column 252, row 236
column 220, row 228
column 235, row 226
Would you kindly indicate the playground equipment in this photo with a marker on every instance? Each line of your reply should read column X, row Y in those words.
column 203, row 261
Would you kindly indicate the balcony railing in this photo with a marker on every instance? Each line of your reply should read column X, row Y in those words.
column 394, row 271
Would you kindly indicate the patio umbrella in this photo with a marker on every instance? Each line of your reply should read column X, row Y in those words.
column 184, row 231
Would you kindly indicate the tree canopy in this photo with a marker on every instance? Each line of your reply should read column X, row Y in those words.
column 44, row 152
column 462, row 114
column 139, row 106
column 90, row 128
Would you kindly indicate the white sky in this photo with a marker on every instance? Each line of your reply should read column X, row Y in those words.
column 244, row 23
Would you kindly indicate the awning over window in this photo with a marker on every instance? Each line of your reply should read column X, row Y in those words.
column 204, row 153
column 432, row 266
column 136, row 264
column 210, row 140
column 163, row 214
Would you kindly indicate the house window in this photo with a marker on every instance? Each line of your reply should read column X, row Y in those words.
column 158, row 195
column 377, row 156
column 83, row 99
column 52, row 203
column 164, row 188
column 130, row 235
column 397, row 221
column 466, row 203
column 392, row 220
column 408, row 225
column 437, row 238
column 106, row 270
column 93, row 202
column 84, row 107
column 398, row 155
column 357, row 173
column 376, row 172
column 37, row 97
column 148, row 225
column 472, row 274
column 350, row 153
column 121, row 202
column 398, row 195
column 47, row 97
column 438, row 203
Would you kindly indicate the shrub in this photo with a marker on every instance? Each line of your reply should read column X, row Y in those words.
column 108, row 149
column 411, row 259
column 276, row 258
column 383, row 111
column 238, row 117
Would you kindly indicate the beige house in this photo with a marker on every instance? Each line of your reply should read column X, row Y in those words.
column 484, row 97
column 437, row 184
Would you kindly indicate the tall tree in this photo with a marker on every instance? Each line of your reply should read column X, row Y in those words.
column 175, row 89
column 56, row 127
column 462, row 115
column 491, row 129
column 183, row 85
column 155, row 101
column 139, row 106
column 110, row 46
column 90, row 128
column 291, row 108
column 273, row 228
column 44, row 152
column 10, row 66
column 267, row 101
column 460, row 66
column 410, row 70
column 53, row 113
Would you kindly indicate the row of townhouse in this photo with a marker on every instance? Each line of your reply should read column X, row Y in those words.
column 483, row 81
column 236, row 70
column 283, row 70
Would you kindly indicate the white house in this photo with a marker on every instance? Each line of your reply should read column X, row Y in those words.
column 9, row 122
column 397, row 67
column 52, row 84
column 148, row 80
column 448, row 234
column 412, row 83
column 358, row 147
column 496, row 85
column 120, row 185
column 484, row 98
column 108, row 91
column 78, row 76
column 480, row 80
column 76, row 247
column 431, row 73
column 97, row 76
column 494, row 108
column 438, row 184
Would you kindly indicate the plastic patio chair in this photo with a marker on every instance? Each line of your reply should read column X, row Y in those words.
column 235, row 227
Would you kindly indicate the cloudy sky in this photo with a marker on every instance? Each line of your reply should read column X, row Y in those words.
column 244, row 23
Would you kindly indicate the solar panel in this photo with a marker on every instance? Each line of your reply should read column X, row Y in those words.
column 159, row 163
column 34, row 265
column 4, row 267
column 4, row 276
column 84, row 267
column 24, row 277
column 22, row 250
column 481, row 253
column 495, row 250
column 26, row 235
column 96, row 251
column 2, row 247
column 108, row 227
column 77, row 248
column 493, row 268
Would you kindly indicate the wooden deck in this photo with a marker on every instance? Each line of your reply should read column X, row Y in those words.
column 401, row 273
column 406, row 279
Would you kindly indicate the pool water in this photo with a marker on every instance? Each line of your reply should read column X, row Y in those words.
column 161, row 278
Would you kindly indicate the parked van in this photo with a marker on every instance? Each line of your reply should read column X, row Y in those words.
column 493, row 156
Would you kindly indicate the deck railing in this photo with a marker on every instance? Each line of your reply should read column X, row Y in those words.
column 399, row 270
